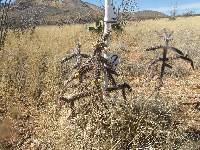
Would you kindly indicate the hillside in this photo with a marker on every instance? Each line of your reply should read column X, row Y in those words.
column 144, row 15
column 51, row 13
column 39, row 12
column 149, row 14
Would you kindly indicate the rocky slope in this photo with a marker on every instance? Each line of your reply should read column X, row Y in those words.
column 39, row 12
column 50, row 12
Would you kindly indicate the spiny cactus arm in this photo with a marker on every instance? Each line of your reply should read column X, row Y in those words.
column 162, row 72
column 99, row 47
column 166, row 33
column 75, row 76
column 154, row 62
column 122, row 87
column 78, row 96
column 82, row 71
column 191, row 103
column 98, row 64
column 169, row 66
column 112, row 80
column 111, row 71
column 85, row 69
column 85, row 55
column 169, row 35
column 105, row 36
column 76, row 54
column 67, row 58
column 186, row 58
column 196, row 104
column 154, row 48
column 176, row 50
column 124, row 94
column 97, row 72
column 119, row 87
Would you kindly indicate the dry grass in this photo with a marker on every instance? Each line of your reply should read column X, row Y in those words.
column 32, row 79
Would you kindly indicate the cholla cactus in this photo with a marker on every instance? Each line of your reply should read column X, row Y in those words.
column 167, row 37
column 101, row 66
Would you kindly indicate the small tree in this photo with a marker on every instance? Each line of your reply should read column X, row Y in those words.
column 5, row 6
column 173, row 12
column 188, row 13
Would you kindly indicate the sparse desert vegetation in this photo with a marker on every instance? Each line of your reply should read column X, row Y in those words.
column 32, row 77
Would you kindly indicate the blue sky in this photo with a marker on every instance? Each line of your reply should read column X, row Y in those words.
column 163, row 5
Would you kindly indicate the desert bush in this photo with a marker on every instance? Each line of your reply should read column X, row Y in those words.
column 31, row 81
column 113, row 124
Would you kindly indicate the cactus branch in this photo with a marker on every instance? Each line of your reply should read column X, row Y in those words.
column 166, row 48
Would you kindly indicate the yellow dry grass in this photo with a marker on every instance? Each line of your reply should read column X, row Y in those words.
column 30, row 80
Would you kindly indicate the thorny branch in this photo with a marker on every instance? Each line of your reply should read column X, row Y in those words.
column 196, row 104
column 96, row 64
column 165, row 59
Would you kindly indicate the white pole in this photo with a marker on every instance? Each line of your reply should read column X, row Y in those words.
column 107, row 29
column 109, row 18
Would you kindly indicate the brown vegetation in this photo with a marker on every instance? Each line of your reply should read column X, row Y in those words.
column 32, row 79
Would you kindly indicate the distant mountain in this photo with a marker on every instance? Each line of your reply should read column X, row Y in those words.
column 39, row 12
column 50, row 12
column 146, row 14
